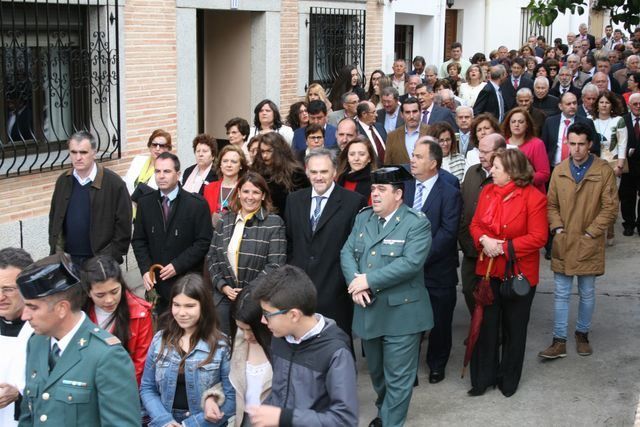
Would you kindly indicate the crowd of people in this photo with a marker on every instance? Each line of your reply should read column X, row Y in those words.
column 263, row 261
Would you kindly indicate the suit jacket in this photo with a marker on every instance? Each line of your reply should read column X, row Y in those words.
column 92, row 384
column 509, row 92
column 396, row 152
column 379, row 128
column 211, row 176
column 632, row 142
column 300, row 144
column 318, row 253
column 382, row 115
column 183, row 241
column 443, row 208
column 487, row 102
column 555, row 91
column 393, row 260
column 580, row 79
column 441, row 114
column 334, row 117
column 548, row 105
column 550, row 135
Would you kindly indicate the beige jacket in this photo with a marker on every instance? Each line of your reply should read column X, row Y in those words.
column 238, row 378
column 586, row 208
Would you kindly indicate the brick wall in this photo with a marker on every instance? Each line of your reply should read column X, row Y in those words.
column 149, row 81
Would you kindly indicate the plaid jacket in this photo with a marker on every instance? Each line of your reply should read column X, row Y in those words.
column 263, row 248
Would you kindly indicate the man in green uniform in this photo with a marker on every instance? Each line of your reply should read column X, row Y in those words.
column 76, row 373
column 383, row 261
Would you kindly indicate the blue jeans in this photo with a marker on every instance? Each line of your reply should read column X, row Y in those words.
column 586, row 291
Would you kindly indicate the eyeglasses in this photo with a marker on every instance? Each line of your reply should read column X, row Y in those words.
column 268, row 315
column 8, row 290
column 156, row 145
column 445, row 140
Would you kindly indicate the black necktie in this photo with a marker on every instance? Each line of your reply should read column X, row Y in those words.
column 381, row 222
column 54, row 356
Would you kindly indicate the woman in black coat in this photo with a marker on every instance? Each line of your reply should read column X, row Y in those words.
column 196, row 177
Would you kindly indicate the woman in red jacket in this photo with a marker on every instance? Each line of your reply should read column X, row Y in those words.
column 112, row 307
column 510, row 209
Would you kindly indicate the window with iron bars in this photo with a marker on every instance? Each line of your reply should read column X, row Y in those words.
column 336, row 39
column 59, row 73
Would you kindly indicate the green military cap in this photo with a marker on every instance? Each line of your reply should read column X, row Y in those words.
column 48, row 276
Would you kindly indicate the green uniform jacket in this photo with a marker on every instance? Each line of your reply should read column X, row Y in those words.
column 393, row 261
column 93, row 383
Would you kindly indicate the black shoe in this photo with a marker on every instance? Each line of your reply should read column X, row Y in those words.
column 435, row 377
column 547, row 255
column 376, row 422
column 628, row 232
column 476, row 392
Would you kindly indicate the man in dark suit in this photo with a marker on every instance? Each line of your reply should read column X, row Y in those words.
column 564, row 84
column 515, row 81
column 317, row 114
column 524, row 99
column 389, row 115
column 430, row 112
column 412, row 83
column 172, row 228
column 603, row 65
column 316, row 234
column 372, row 131
column 554, row 131
column 587, row 105
column 442, row 205
column 490, row 99
column 583, row 35
column 630, row 182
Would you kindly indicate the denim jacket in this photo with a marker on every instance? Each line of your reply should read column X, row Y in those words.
column 159, row 380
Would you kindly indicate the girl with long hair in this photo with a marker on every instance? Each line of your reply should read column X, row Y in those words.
column 112, row 307
column 186, row 375
column 267, row 118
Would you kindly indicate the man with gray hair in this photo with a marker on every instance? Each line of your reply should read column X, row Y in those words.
column 524, row 99
column 464, row 116
column 578, row 78
column 349, row 105
column 590, row 93
column 631, row 66
column 318, row 221
column 542, row 100
column 490, row 98
column 90, row 208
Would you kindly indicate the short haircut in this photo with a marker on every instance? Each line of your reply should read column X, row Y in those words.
column 428, row 87
column 419, row 59
column 432, row 68
column 313, row 128
column 564, row 95
column 542, row 39
column 287, row 288
column 363, row 107
column 346, row 95
column 244, row 166
column 15, row 257
column 241, row 124
column 83, row 135
column 518, row 60
column 580, row 129
column 590, row 88
column 317, row 106
column 590, row 60
column 162, row 133
column 435, row 151
column 390, row 90
column 207, row 140
column 409, row 100
column 322, row 152
column 497, row 71
column 524, row 91
column 456, row 45
column 461, row 108
column 76, row 296
column 541, row 79
column 516, row 165
column 171, row 156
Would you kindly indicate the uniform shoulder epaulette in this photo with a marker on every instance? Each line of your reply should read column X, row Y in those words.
column 105, row 336
column 365, row 208
column 417, row 213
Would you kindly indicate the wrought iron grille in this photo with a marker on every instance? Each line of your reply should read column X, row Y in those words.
column 527, row 28
column 59, row 73
column 336, row 39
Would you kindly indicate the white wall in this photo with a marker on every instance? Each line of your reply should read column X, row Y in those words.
column 470, row 26
column 427, row 18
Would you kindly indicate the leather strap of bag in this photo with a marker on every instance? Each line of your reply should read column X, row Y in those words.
column 512, row 263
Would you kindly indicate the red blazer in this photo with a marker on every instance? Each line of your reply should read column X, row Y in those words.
column 524, row 221
column 140, row 330
column 212, row 195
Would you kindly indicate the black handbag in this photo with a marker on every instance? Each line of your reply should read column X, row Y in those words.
column 515, row 284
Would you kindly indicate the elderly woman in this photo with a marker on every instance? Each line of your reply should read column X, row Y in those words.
column 509, row 212
column 482, row 125
column 355, row 164
column 238, row 131
column 141, row 170
column 198, row 176
column 518, row 131
column 232, row 165
column 276, row 163
column 248, row 241
column 474, row 83
column 266, row 118
column 452, row 161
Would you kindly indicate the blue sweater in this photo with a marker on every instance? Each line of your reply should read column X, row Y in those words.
column 77, row 222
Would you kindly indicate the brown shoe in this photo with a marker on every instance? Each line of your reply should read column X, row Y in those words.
column 582, row 344
column 557, row 349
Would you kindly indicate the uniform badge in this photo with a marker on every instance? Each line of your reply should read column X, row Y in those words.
column 82, row 342
column 112, row 341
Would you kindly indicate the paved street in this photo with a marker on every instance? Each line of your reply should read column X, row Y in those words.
column 602, row 389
